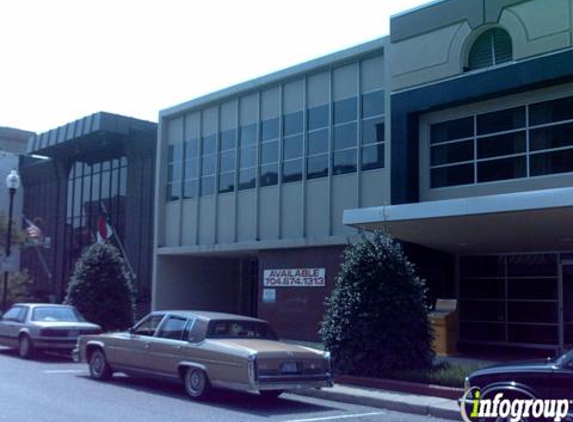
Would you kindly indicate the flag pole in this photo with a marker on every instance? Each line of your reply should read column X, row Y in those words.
column 103, row 209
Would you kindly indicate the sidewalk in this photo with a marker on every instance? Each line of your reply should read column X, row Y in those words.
column 400, row 402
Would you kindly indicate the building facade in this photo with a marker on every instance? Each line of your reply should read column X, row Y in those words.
column 455, row 133
column 100, row 165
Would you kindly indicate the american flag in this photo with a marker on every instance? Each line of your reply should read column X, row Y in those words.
column 34, row 232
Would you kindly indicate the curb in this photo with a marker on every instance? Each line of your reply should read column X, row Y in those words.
column 383, row 403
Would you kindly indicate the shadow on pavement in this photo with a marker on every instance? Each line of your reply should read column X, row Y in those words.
column 39, row 357
column 223, row 399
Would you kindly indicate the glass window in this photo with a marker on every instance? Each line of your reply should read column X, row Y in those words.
column 345, row 110
column 270, row 129
column 293, row 123
column 248, row 135
column 174, row 191
column 452, row 175
column 292, row 147
column 269, row 152
column 173, row 328
column 227, row 182
column 292, row 171
column 269, row 174
column 373, row 104
column 373, row 157
column 248, row 157
column 192, row 168
column 451, row 130
column 318, row 117
column 452, row 153
column 551, row 162
column 501, row 120
column 551, row 137
column 228, row 138
column 191, row 188
column 502, row 169
column 317, row 142
column 174, row 154
column 240, row 329
column 247, row 178
column 13, row 314
column 344, row 161
column 191, row 148
column 317, row 166
column 491, row 48
column 209, row 144
column 227, row 161
column 209, row 164
column 148, row 326
column 198, row 331
column 507, row 144
column 372, row 131
column 345, row 136
column 207, row 186
column 551, row 111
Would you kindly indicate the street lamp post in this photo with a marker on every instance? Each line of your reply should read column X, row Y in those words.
column 12, row 183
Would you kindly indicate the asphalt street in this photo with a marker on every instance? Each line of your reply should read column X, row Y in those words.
column 52, row 388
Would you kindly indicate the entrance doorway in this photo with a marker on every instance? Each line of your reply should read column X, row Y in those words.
column 248, row 286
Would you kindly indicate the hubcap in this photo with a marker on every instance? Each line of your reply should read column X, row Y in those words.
column 97, row 364
column 196, row 382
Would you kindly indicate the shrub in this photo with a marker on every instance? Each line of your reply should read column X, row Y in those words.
column 21, row 289
column 377, row 318
column 101, row 288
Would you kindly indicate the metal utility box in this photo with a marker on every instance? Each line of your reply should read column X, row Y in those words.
column 445, row 321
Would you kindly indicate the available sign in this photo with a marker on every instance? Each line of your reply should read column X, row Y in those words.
column 294, row 277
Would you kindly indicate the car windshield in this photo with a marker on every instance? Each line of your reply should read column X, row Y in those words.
column 565, row 358
column 240, row 329
column 53, row 313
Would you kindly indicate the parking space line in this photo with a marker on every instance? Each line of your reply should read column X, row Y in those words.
column 329, row 418
column 65, row 371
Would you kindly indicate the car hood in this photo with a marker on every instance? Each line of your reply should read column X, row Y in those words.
column 270, row 347
column 539, row 365
column 66, row 324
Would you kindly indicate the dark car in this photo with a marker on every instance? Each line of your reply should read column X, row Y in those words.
column 549, row 379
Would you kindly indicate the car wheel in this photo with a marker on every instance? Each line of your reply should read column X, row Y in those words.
column 197, row 383
column 99, row 368
column 25, row 347
column 271, row 394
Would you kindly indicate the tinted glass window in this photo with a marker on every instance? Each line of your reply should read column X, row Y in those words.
column 452, row 153
column 292, row 171
column 248, row 157
column 502, row 169
column 209, row 163
column 454, row 129
column 292, row 147
column 248, row 135
column 345, row 110
column 269, row 175
column 207, row 185
column 174, row 154
column 198, row 331
column 247, row 178
column 373, row 157
column 345, row 136
column 226, row 182
column 318, row 117
column 551, row 111
column 191, row 168
column 317, row 166
column 551, row 162
column 318, row 142
column 344, row 161
column 502, row 120
column 13, row 314
column 495, row 146
column 227, row 162
column 191, row 188
column 240, row 329
column 228, row 138
column 452, row 175
column 173, row 191
column 372, row 131
column 173, row 328
column 270, row 129
column 551, row 137
column 269, row 152
column 373, row 104
column 293, row 123
column 148, row 325
column 191, row 148
column 209, row 144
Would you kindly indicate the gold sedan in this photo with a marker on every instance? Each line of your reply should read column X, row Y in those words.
column 205, row 350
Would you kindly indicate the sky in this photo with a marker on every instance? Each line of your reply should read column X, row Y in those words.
column 61, row 60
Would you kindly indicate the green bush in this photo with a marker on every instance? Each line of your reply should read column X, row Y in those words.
column 21, row 289
column 377, row 318
column 101, row 288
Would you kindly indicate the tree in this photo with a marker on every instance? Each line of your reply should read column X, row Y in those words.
column 377, row 318
column 101, row 288
column 20, row 289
